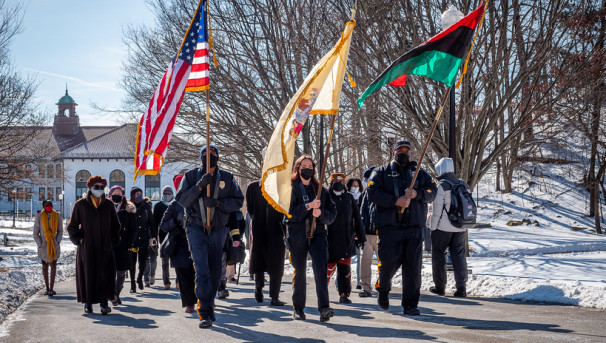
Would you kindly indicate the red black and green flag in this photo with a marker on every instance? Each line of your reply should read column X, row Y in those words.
column 438, row 58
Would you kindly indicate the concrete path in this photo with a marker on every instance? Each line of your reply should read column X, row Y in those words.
column 155, row 315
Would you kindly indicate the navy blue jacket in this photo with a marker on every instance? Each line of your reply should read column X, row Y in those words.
column 230, row 198
column 300, row 214
column 381, row 192
column 172, row 221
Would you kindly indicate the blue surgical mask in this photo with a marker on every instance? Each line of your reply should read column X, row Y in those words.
column 139, row 198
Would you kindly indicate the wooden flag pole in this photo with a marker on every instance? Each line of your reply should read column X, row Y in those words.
column 319, row 193
column 208, row 153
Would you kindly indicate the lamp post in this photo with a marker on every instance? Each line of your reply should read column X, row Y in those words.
column 14, row 206
column 449, row 18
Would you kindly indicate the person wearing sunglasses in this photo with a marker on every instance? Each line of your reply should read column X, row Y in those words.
column 94, row 228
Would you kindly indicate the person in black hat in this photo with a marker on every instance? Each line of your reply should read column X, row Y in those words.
column 206, row 242
column 400, row 234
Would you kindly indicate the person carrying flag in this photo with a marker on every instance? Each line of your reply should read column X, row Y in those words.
column 206, row 241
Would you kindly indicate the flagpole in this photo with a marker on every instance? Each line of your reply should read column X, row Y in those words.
column 444, row 98
column 319, row 193
column 208, row 152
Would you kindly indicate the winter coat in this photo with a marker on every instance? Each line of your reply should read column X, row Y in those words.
column 301, row 216
column 347, row 224
column 381, row 191
column 366, row 215
column 172, row 224
column 159, row 209
column 146, row 227
column 230, row 198
column 267, row 249
column 40, row 239
column 128, row 233
column 439, row 217
column 99, row 229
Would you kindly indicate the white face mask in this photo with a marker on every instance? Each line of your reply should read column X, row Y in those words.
column 365, row 183
column 338, row 193
column 355, row 189
column 98, row 192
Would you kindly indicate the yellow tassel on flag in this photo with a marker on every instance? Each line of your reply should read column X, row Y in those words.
column 211, row 45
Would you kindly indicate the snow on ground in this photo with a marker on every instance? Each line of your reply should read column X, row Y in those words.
column 21, row 270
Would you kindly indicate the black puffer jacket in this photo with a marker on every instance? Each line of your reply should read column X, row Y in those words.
column 128, row 233
column 381, row 191
column 346, row 226
column 300, row 215
column 146, row 228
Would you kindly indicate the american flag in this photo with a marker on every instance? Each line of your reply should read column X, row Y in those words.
column 188, row 71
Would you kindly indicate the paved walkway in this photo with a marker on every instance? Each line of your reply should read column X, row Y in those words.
column 155, row 315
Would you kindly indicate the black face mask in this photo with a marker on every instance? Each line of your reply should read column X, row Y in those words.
column 337, row 186
column 307, row 173
column 402, row 159
column 116, row 198
column 213, row 161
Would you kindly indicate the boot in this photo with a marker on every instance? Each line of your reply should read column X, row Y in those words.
column 88, row 308
column 140, row 281
column 460, row 293
column 344, row 299
column 383, row 300
column 326, row 314
column 205, row 323
column 298, row 315
column 258, row 295
column 277, row 302
column 436, row 290
column 105, row 309
column 365, row 294
column 411, row 311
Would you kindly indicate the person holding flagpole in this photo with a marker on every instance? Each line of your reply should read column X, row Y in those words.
column 304, row 206
column 206, row 241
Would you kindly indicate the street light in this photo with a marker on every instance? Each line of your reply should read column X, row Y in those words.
column 14, row 206
column 449, row 18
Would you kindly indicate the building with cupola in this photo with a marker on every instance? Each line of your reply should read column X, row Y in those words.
column 76, row 152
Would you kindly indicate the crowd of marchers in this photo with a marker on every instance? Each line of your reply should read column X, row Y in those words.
column 198, row 232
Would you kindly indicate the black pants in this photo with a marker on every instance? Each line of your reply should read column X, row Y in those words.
column 343, row 269
column 455, row 242
column 275, row 282
column 318, row 249
column 166, row 270
column 186, row 278
column 120, row 276
column 142, row 257
column 401, row 247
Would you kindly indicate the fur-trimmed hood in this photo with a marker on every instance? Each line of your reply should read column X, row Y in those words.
column 130, row 207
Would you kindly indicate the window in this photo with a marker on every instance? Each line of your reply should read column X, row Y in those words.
column 152, row 186
column 81, row 177
column 58, row 191
column 50, row 193
column 50, row 171
column 11, row 195
column 20, row 195
column 28, row 194
column 116, row 177
column 58, row 171
column 41, row 194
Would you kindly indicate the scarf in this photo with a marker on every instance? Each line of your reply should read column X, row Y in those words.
column 50, row 233
column 356, row 195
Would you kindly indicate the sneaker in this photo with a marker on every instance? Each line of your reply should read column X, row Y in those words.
column 147, row 284
column 205, row 323
column 298, row 315
column 152, row 280
column 326, row 314
column 259, row 295
column 344, row 300
column 460, row 293
column 383, row 300
column 358, row 287
column 46, row 292
column 52, row 293
column 223, row 294
column 277, row 302
column 190, row 309
column 437, row 291
column 166, row 287
column 411, row 311
column 365, row 294
column 88, row 308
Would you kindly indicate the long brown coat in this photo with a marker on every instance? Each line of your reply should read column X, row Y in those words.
column 99, row 229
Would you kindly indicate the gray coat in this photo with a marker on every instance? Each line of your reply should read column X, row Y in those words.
column 41, row 240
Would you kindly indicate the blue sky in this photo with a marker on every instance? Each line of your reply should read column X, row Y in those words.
column 78, row 42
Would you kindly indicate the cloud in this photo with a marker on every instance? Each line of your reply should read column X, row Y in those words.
column 100, row 85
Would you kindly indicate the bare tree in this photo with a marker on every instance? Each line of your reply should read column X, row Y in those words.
column 19, row 118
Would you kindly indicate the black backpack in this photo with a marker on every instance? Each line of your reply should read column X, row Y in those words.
column 463, row 211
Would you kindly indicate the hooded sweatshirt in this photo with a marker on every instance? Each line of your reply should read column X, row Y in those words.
column 439, row 217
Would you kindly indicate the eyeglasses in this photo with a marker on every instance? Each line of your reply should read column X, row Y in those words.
column 98, row 187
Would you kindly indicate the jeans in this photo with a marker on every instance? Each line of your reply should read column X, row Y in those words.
column 152, row 263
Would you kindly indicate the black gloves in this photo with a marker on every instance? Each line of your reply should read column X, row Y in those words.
column 204, row 181
column 210, row 202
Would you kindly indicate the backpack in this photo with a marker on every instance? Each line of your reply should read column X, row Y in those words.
column 463, row 211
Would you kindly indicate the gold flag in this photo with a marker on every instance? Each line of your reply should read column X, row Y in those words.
column 320, row 93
